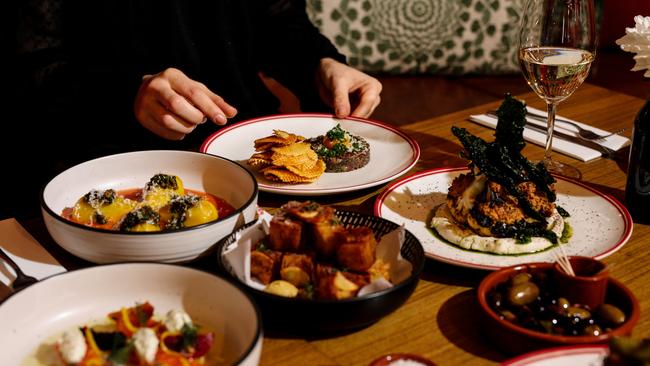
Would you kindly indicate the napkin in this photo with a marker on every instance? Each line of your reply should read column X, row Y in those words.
column 574, row 150
column 28, row 254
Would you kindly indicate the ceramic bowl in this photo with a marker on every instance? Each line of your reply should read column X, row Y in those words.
column 75, row 298
column 516, row 339
column 202, row 172
column 401, row 359
column 297, row 315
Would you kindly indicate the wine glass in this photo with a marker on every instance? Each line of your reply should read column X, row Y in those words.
column 557, row 43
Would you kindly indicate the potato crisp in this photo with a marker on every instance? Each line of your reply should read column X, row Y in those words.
column 285, row 157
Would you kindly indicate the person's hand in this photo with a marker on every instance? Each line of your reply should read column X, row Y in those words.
column 349, row 91
column 171, row 105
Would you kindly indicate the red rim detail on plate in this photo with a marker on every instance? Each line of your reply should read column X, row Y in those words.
column 411, row 141
column 528, row 358
column 627, row 218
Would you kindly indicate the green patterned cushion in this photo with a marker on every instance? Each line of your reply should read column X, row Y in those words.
column 423, row 36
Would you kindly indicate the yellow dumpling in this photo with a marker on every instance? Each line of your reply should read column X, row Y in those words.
column 143, row 218
column 188, row 210
column 101, row 207
column 204, row 211
column 161, row 188
column 145, row 227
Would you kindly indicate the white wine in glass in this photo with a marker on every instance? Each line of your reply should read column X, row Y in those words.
column 557, row 43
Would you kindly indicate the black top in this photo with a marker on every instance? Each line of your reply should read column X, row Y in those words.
column 80, row 64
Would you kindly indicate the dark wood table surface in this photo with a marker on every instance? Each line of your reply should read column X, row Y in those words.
column 440, row 320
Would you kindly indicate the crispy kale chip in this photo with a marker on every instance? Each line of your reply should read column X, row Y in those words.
column 501, row 160
column 164, row 181
column 139, row 216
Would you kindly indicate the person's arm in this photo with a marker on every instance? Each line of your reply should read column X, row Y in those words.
column 294, row 52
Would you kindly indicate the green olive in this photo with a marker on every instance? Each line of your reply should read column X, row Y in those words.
column 523, row 293
column 521, row 278
column 563, row 303
column 611, row 315
column 576, row 312
column 592, row 330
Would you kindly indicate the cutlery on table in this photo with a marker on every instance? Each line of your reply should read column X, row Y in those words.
column 22, row 280
column 605, row 151
column 582, row 132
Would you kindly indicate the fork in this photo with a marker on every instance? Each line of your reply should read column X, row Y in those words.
column 582, row 132
column 22, row 280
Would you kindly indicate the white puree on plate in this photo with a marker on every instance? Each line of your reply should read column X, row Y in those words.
column 447, row 227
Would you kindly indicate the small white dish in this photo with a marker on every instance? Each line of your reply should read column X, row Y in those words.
column 79, row 297
column 392, row 152
column 590, row 355
column 601, row 224
column 201, row 172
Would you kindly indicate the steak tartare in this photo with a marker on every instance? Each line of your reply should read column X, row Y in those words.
column 340, row 150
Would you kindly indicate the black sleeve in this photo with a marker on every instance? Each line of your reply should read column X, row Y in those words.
column 291, row 48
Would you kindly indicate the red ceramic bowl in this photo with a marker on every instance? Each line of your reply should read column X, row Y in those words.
column 515, row 339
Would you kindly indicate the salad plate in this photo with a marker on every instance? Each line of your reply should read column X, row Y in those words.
column 590, row 355
column 601, row 225
column 392, row 152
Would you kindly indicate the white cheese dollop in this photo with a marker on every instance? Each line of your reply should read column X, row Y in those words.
column 176, row 319
column 72, row 346
column 146, row 344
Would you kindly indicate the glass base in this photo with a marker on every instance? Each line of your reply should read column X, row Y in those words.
column 556, row 167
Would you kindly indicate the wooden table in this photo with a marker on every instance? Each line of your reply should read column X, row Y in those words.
column 440, row 320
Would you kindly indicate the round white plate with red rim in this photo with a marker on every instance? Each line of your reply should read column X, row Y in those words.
column 590, row 355
column 601, row 224
column 392, row 152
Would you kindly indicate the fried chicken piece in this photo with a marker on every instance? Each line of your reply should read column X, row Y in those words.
column 537, row 198
column 463, row 193
column 499, row 205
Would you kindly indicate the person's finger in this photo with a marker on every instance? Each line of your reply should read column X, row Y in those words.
column 367, row 104
column 210, row 104
column 150, row 123
column 175, row 102
column 341, row 100
column 228, row 110
column 169, row 120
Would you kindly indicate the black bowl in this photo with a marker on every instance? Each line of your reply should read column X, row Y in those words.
column 284, row 314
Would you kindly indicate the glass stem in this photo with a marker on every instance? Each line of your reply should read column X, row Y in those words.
column 550, row 122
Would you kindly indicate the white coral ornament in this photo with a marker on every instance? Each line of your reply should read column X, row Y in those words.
column 637, row 40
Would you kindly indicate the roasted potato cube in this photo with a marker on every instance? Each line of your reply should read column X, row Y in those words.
column 357, row 249
column 297, row 269
column 285, row 234
column 309, row 211
column 333, row 284
column 282, row 288
column 327, row 237
column 265, row 264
